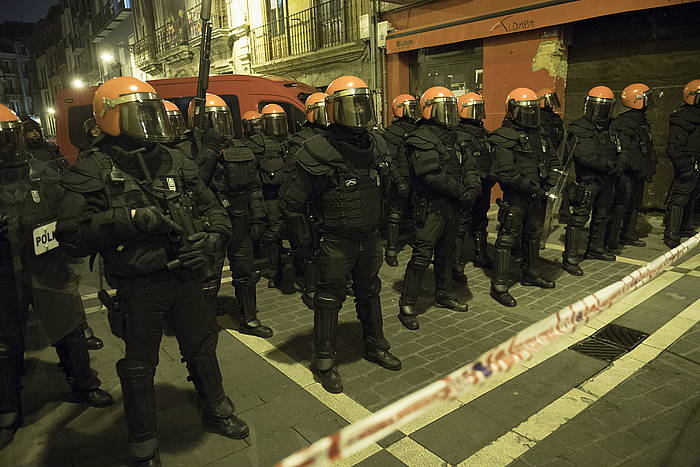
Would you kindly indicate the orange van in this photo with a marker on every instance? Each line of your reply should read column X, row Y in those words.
column 241, row 93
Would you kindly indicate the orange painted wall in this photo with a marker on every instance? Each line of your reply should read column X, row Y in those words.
column 397, row 73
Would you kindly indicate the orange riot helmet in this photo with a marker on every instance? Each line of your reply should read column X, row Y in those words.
column 350, row 102
column 439, row 104
column 129, row 107
column 471, row 105
column 11, row 136
column 177, row 121
column 691, row 92
column 598, row 104
column 636, row 96
column 252, row 123
column 405, row 105
column 274, row 120
column 216, row 113
column 548, row 99
column 523, row 107
column 316, row 109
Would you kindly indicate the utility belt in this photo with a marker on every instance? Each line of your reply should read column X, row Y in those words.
column 422, row 205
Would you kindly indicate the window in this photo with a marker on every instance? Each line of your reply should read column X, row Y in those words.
column 15, row 106
column 23, row 50
column 295, row 117
column 9, row 86
column 275, row 10
column 5, row 66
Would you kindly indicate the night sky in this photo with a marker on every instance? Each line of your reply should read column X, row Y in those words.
column 24, row 10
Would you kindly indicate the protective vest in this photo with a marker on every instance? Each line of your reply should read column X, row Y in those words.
column 240, row 170
column 684, row 129
column 395, row 134
column 270, row 157
column 633, row 130
column 552, row 123
column 595, row 150
column 428, row 153
column 529, row 150
column 472, row 141
column 352, row 200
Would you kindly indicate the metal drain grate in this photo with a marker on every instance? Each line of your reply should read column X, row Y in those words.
column 610, row 342
column 626, row 338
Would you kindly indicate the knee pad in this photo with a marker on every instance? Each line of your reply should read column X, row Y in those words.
column 250, row 280
column 134, row 369
column 394, row 218
column 505, row 240
column 324, row 302
column 418, row 264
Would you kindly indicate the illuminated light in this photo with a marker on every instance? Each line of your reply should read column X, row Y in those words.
column 107, row 57
column 78, row 83
column 50, row 110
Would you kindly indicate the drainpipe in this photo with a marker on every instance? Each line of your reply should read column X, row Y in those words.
column 377, row 82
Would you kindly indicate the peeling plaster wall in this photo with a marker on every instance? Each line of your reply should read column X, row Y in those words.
column 551, row 56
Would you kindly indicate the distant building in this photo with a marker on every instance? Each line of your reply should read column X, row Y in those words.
column 15, row 90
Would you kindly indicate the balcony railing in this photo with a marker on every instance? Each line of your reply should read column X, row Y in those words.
column 111, row 10
column 333, row 22
column 177, row 33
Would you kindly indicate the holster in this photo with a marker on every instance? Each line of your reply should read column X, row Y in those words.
column 115, row 313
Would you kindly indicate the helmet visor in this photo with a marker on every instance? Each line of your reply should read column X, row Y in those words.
column 11, row 142
column 551, row 101
column 526, row 114
column 649, row 99
column 696, row 97
column 275, row 125
column 410, row 109
column 219, row 118
column 474, row 110
column 177, row 122
column 353, row 108
column 252, row 127
column 317, row 115
column 146, row 120
column 598, row 109
column 443, row 110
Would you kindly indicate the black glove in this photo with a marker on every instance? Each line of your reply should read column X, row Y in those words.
column 152, row 220
column 198, row 251
column 538, row 194
column 402, row 189
column 4, row 226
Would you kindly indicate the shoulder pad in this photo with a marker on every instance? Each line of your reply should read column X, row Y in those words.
column 256, row 143
column 689, row 113
column 380, row 143
column 680, row 119
column 319, row 148
column 422, row 138
column 190, row 170
column 310, row 163
column 85, row 175
column 238, row 153
column 394, row 134
column 505, row 137
column 581, row 127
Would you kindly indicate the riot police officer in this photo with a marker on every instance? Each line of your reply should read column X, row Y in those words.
column 440, row 189
column 236, row 181
column 524, row 164
column 550, row 121
column 683, row 148
column 316, row 123
column 37, row 273
column 338, row 173
column 177, row 121
column 633, row 132
column 471, row 136
column 405, row 110
column 143, row 207
column 269, row 150
column 598, row 166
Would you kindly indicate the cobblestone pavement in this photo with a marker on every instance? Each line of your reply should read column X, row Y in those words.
column 652, row 418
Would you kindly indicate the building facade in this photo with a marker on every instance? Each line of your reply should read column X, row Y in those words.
column 568, row 46
column 15, row 67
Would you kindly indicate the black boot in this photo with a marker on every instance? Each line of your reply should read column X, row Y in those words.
column 325, row 327
column 458, row 274
column 629, row 235
column 392, row 244
column 673, row 218
column 499, row 281
column 10, row 403
column 412, row 282
column 248, row 299
column 369, row 312
column 138, row 396
column 570, row 257
column 72, row 350
column 596, row 249
column 612, row 239
column 687, row 229
column 94, row 342
column 448, row 299
column 272, row 250
column 481, row 256
column 531, row 266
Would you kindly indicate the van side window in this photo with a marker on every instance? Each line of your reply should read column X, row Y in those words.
column 295, row 117
column 230, row 99
column 76, row 117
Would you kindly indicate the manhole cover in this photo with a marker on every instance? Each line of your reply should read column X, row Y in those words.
column 626, row 338
column 599, row 349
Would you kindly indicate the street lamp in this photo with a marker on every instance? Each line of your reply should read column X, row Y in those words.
column 78, row 83
column 107, row 57
column 51, row 110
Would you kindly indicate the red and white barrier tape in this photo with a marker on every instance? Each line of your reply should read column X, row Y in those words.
column 499, row 359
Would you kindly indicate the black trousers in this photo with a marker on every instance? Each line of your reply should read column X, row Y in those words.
column 593, row 199
column 436, row 227
column 518, row 216
column 684, row 191
column 480, row 210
